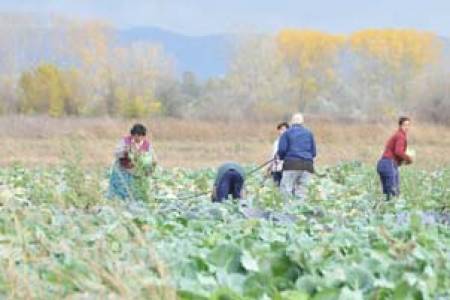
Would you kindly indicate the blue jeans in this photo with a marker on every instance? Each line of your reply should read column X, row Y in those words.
column 389, row 176
column 231, row 183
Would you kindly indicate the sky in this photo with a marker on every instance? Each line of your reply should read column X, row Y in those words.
column 203, row 17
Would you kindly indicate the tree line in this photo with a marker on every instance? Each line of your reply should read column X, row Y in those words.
column 64, row 67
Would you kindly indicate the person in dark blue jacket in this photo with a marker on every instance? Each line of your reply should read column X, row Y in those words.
column 297, row 149
column 229, row 181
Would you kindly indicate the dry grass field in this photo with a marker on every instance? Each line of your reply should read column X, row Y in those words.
column 195, row 144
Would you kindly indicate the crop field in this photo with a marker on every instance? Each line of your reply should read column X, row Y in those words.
column 60, row 238
column 118, row 119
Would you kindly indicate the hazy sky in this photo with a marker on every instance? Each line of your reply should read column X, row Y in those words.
column 209, row 16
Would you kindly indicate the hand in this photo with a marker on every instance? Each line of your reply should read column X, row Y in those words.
column 409, row 160
column 125, row 155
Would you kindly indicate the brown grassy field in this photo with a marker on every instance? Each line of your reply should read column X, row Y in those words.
column 195, row 144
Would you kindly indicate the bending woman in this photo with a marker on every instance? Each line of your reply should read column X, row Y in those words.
column 134, row 159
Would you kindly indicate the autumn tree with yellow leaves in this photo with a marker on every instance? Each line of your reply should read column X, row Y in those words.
column 311, row 58
column 50, row 90
column 134, row 74
column 389, row 62
column 64, row 67
column 257, row 79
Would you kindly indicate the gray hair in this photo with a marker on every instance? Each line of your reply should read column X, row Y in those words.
column 297, row 119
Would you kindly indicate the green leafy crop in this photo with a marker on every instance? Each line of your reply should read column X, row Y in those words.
column 60, row 237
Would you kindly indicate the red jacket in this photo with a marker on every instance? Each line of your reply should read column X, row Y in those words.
column 396, row 148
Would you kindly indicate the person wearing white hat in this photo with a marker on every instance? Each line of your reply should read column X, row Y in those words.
column 297, row 148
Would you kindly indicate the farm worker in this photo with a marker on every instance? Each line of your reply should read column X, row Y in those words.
column 229, row 181
column 394, row 155
column 134, row 158
column 297, row 149
column 276, row 167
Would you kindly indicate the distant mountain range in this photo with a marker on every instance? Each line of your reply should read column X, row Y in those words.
column 206, row 56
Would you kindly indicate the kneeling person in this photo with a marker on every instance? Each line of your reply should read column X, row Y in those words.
column 229, row 181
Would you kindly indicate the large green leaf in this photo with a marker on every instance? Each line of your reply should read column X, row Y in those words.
column 226, row 256
column 327, row 294
column 249, row 262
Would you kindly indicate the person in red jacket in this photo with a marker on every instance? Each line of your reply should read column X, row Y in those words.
column 394, row 155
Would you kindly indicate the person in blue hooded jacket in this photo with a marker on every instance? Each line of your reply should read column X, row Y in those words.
column 297, row 149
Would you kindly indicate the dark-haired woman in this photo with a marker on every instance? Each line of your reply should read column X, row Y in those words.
column 394, row 155
column 134, row 157
column 275, row 168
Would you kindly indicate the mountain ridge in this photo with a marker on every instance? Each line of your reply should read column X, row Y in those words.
column 206, row 55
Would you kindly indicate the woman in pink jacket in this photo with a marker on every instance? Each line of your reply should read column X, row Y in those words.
column 133, row 153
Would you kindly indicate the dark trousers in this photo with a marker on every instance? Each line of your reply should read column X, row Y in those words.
column 231, row 183
column 276, row 176
column 389, row 176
